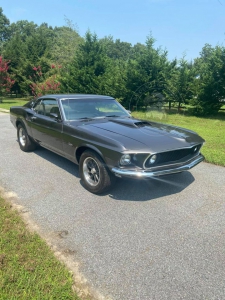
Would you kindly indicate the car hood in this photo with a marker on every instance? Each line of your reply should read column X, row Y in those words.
column 135, row 134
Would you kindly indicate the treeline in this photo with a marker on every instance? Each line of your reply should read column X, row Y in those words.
column 42, row 59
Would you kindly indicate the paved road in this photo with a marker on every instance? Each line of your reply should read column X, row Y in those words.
column 161, row 239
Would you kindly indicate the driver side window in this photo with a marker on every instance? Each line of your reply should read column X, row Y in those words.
column 46, row 107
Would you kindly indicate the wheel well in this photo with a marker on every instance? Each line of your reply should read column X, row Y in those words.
column 18, row 122
column 80, row 151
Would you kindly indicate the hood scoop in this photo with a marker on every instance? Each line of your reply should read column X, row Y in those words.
column 131, row 122
column 142, row 124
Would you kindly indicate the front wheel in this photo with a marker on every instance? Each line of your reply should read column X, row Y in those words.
column 94, row 175
column 26, row 144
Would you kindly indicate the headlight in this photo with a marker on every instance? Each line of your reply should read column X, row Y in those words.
column 125, row 159
column 152, row 159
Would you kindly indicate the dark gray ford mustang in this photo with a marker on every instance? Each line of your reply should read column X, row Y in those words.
column 97, row 133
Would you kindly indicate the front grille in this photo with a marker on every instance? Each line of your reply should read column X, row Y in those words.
column 174, row 156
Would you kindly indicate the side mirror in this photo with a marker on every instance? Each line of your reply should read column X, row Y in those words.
column 55, row 116
column 129, row 112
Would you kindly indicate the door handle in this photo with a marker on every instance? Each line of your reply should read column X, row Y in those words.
column 33, row 118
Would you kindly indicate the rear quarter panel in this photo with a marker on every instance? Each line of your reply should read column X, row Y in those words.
column 18, row 114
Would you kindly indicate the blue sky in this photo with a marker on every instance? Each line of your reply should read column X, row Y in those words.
column 180, row 26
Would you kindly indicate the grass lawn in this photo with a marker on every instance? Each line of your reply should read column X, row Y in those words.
column 211, row 129
column 28, row 268
column 13, row 102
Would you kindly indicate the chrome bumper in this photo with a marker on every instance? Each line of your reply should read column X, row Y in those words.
column 147, row 174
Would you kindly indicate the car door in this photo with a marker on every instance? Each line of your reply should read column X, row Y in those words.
column 46, row 129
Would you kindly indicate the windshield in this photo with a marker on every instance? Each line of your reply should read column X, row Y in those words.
column 75, row 109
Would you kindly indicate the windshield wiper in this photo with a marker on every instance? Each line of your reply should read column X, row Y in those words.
column 85, row 118
column 122, row 116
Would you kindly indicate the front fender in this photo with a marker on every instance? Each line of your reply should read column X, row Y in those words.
column 109, row 156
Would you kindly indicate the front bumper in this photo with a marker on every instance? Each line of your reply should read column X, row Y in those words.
column 148, row 174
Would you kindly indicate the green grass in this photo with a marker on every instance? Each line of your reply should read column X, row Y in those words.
column 28, row 268
column 6, row 103
column 211, row 129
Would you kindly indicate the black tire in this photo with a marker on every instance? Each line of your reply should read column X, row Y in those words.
column 26, row 144
column 95, row 176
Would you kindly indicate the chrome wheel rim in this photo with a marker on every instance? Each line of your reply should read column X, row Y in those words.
column 22, row 137
column 91, row 171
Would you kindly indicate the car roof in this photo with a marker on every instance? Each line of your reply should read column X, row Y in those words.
column 77, row 96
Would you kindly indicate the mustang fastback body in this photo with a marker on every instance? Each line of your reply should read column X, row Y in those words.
column 97, row 133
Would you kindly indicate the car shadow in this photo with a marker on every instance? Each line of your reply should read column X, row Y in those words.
column 153, row 188
column 58, row 160
column 128, row 189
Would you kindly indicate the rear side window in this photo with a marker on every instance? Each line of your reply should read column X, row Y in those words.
column 29, row 104
column 39, row 108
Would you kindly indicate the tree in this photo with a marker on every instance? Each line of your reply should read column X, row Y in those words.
column 113, row 82
column 28, row 46
column 39, row 44
column 179, row 82
column 116, row 49
column 210, row 80
column 146, row 73
column 23, row 28
column 85, row 73
column 114, row 79
column 4, row 28
column 65, row 43
column 15, row 50
column 6, row 82
column 42, row 84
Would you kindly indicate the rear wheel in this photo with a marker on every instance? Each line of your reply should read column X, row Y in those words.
column 94, row 174
column 26, row 144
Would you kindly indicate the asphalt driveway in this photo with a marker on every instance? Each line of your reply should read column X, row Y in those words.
column 159, row 239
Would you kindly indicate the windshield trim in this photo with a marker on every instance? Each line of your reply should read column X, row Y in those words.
column 93, row 113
